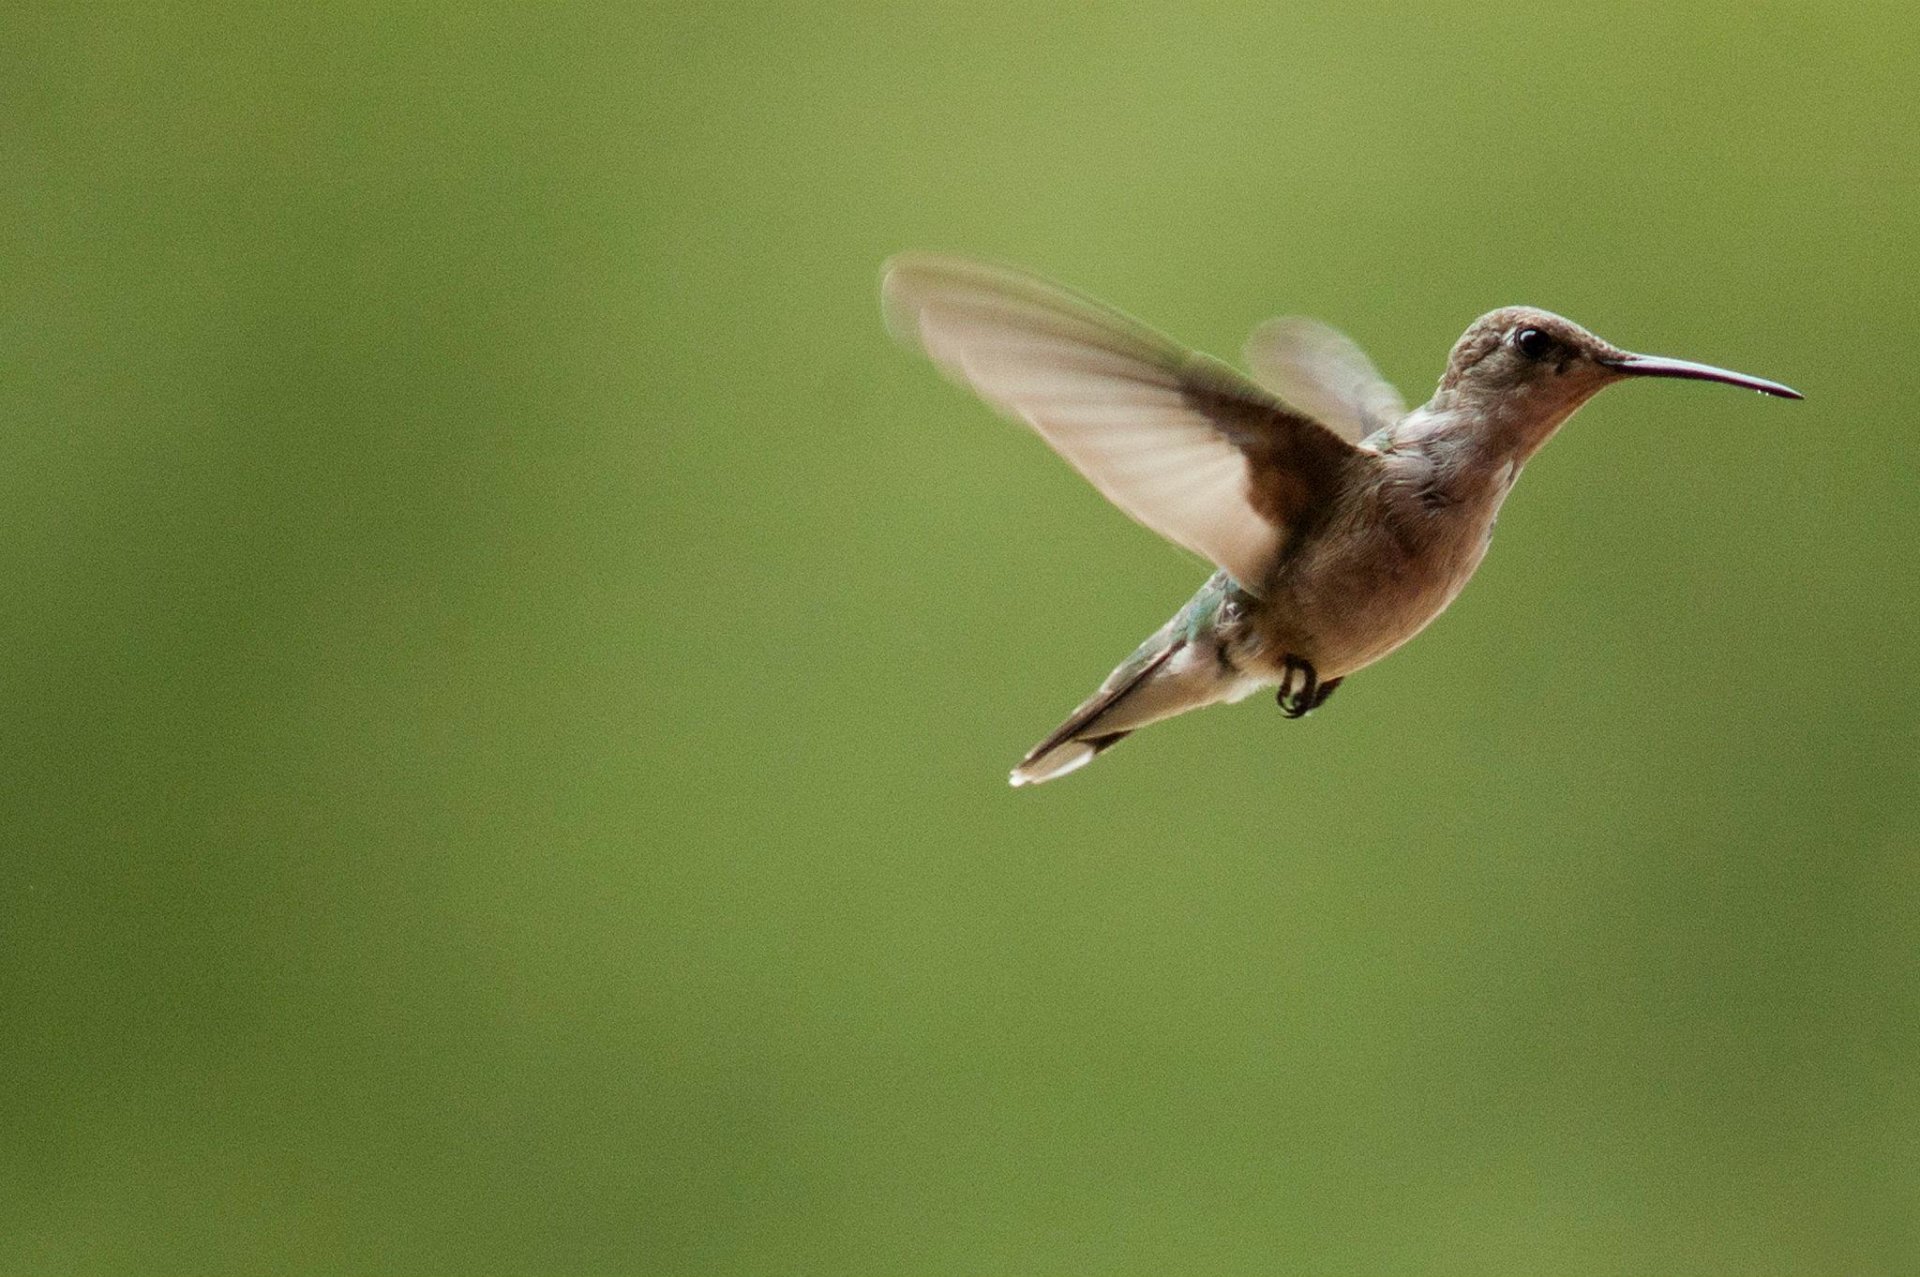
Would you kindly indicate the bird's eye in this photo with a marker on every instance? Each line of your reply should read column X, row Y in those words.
column 1533, row 343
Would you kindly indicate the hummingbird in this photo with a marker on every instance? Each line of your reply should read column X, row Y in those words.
column 1340, row 523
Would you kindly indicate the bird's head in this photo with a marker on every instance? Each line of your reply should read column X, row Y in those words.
column 1526, row 370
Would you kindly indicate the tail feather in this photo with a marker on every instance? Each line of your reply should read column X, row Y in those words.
column 1076, row 742
column 1187, row 663
column 1067, row 756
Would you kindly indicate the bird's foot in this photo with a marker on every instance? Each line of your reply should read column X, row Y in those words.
column 1301, row 691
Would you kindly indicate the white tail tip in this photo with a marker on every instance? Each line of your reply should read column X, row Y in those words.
column 1065, row 757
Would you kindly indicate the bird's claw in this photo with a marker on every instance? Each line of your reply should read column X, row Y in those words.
column 1301, row 691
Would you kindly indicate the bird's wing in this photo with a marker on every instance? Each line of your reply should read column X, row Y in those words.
column 1178, row 440
column 1320, row 371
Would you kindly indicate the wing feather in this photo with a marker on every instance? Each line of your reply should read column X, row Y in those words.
column 1323, row 373
column 1177, row 440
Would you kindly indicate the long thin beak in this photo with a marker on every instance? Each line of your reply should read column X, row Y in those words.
column 1655, row 366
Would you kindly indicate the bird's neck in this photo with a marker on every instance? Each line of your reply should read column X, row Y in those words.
column 1464, row 436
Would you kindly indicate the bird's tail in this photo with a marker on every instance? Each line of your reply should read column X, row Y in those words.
column 1186, row 664
column 1094, row 728
column 1171, row 673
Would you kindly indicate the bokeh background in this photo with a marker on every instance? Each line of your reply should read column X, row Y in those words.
column 507, row 676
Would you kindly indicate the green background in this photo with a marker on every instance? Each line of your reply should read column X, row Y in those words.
column 507, row 676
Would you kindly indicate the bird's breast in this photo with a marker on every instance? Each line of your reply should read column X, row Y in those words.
column 1376, row 578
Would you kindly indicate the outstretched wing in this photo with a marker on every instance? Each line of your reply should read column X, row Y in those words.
column 1320, row 371
column 1178, row 440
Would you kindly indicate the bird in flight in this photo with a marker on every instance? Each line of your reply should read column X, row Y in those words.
column 1340, row 522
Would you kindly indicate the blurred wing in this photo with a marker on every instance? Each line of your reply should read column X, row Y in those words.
column 1178, row 440
column 1321, row 372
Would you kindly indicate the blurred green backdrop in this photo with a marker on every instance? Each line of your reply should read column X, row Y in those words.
column 509, row 676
